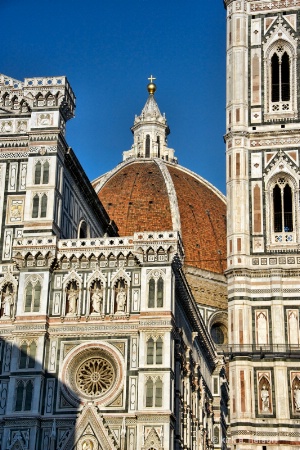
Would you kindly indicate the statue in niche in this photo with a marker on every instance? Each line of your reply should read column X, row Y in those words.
column 121, row 297
column 7, row 301
column 96, row 298
column 72, row 298
column 121, row 300
column 297, row 397
column 265, row 398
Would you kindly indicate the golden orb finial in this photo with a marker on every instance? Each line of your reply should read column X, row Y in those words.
column 151, row 86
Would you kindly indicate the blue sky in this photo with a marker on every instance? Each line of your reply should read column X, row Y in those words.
column 108, row 49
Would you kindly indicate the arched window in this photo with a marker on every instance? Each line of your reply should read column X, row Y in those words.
column 159, row 350
column 282, row 207
column 41, row 172
column 27, row 355
column 280, row 69
column 19, row 396
column 149, row 393
column 32, row 297
column 24, row 393
column 35, row 206
column 154, row 350
column 158, row 146
column 154, row 393
column 150, row 351
column 160, row 293
column 280, row 80
column 156, row 293
column 158, row 393
column 147, row 149
column 151, row 297
column 275, row 77
column 38, row 173
column 45, row 173
column 285, row 77
column 44, row 205
column 28, row 396
column 39, row 206
column 83, row 230
column 23, row 356
column 6, row 101
column 217, row 334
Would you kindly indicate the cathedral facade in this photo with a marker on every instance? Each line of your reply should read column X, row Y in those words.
column 129, row 305
column 105, row 340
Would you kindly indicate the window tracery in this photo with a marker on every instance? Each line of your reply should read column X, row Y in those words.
column 33, row 295
column 281, row 213
column 156, row 291
column 39, row 206
column 154, row 391
column 24, row 394
column 280, row 79
column 27, row 355
column 41, row 172
column 155, row 350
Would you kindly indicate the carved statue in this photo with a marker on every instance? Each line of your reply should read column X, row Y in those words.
column 97, row 299
column 265, row 399
column 87, row 445
column 7, row 302
column 297, row 397
column 72, row 300
column 121, row 300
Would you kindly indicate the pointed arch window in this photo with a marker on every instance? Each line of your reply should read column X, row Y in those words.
column 280, row 69
column 44, row 205
column 156, row 293
column 41, row 172
column 39, row 206
column 280, row 82
column 154, row 350
column 33, row 297
column 282, row 207
column 147, row 149
column 27, row 355
column 158, row 146
column 154, row 392
column 35, row 206
column 24, row 394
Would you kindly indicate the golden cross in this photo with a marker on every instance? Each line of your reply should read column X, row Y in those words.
column 151, row 78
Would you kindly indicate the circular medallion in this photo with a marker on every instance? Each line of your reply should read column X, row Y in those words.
column 92, row 371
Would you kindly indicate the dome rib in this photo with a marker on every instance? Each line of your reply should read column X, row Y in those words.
column 175, row 213
column 155, row 195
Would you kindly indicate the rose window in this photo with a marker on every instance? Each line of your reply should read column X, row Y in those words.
column 92, row 370
column 95, row 376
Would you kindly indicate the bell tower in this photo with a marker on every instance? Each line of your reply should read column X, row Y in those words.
column 263, row 235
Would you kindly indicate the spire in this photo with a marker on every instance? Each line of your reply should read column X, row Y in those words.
column 150, row 131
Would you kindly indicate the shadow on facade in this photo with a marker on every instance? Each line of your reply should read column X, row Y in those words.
column 35, row 413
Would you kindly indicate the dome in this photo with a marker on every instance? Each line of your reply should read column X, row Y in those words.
column 153, row 195
column 149, row 191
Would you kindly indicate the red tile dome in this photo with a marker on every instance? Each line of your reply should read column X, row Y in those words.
column 154, row 195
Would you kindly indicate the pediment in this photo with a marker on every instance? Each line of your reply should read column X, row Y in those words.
column 90, row 432
column 281, row 163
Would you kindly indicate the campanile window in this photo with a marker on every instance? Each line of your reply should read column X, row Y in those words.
column 282, row 206
column 280, row 68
